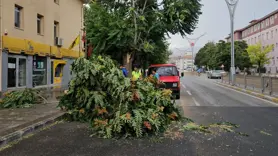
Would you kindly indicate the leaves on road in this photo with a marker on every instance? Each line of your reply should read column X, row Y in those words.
column 176, row 131
column 265, row 133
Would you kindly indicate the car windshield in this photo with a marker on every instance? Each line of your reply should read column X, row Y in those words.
column 218, row 71
column 164, row 71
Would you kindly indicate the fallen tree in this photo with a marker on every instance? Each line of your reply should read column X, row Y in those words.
column 114, row 105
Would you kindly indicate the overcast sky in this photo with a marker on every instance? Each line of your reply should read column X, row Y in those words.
column 215, row 21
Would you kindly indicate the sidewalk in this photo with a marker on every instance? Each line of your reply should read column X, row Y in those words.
column 254, row 83
column 16, row 123
column 256, row 93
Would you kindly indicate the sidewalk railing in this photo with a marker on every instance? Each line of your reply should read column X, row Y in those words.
column 266, row 84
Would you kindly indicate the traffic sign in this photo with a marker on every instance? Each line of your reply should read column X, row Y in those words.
column 222, row 66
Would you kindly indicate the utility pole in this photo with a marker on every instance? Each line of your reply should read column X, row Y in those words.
column 192, row 42
column 232, row 7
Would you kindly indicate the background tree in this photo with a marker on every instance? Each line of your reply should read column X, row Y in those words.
column 203, row 56
column 259, row 55
column 214, row 55
column 128, row 29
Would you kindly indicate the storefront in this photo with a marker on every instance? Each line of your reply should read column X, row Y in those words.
column 29, row 64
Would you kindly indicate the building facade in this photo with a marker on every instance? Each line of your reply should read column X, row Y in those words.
column 182, row 62
column 265, row 31
column 35, row 40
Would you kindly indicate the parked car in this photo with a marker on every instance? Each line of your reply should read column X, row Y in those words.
column 215, row 74
column 169, row 75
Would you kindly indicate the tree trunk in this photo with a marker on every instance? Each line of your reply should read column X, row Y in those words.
column 127, row 61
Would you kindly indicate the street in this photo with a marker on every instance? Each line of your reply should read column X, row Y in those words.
column 201, row 100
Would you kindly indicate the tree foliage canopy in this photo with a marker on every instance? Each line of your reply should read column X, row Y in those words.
column 213, row 55
column 259, row 55
column 138, row 27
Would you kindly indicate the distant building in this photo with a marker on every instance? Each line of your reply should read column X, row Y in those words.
column 264, row 30
column 182, row 62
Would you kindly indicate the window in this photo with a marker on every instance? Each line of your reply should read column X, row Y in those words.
column 40, row 24
column 39, row 71
column 56, row 30
column 267, row 36
column 267, row 22
column 59, row 70
column 56, row 1
column 16, row 71
column 164, row 71
column 255, row 40
column 271, row 33
column 271, row 20
column 18, row 16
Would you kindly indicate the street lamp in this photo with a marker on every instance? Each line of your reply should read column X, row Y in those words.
column 232, row 7
column 182, row 61
column 192, row 42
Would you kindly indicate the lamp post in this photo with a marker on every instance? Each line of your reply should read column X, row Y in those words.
column 181, row 50
column 192, row 42
column 232, row 7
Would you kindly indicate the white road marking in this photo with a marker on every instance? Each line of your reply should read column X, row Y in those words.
column 196, row 103
column 183, row 86
column 189, row 93
column 248, row 95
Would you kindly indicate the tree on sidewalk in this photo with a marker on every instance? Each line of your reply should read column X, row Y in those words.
column 259, row 55
column 128, row 29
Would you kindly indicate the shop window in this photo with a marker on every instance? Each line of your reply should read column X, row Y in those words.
column 21, row 72
column 52, row 76
column 59, row 70
column 39, row 71
column 11, row 72
column 16, row 71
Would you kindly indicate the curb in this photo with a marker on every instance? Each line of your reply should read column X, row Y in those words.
column 20, row 134
column 259, row 95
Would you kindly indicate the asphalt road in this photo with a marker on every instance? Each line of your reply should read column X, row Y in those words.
column 203, row 101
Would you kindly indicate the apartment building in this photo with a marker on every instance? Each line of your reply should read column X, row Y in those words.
column 264, row 30
column 35, row 40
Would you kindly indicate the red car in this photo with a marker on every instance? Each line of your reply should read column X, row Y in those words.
column 169, row 75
